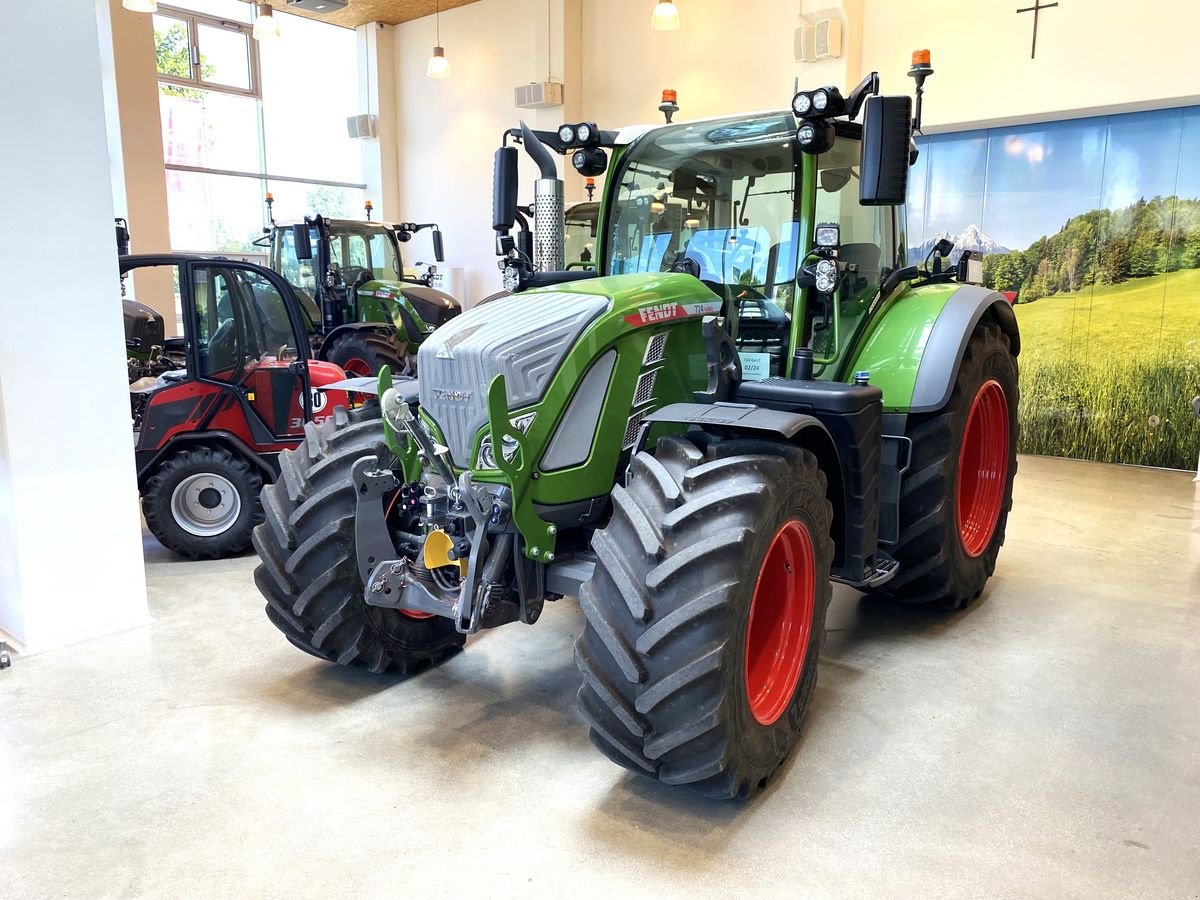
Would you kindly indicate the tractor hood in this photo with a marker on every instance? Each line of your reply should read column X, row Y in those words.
column 433, row 307
column 528, row 337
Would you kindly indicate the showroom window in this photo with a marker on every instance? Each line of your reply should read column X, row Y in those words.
column 235, row 127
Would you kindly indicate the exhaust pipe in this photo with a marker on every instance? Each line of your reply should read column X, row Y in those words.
column 549, row 218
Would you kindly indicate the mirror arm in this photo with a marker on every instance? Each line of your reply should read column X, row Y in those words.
column 858, row 96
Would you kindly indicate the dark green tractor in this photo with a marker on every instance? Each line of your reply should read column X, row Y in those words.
column 364, row 309
column 752, row 398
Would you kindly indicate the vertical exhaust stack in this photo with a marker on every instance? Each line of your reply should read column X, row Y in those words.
column 549, row 217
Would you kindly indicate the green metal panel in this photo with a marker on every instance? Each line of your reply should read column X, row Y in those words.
column 893, row 345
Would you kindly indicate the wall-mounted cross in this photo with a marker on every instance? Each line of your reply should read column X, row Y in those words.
column 1036, row 9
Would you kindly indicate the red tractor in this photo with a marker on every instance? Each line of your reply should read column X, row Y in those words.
column 213, row 409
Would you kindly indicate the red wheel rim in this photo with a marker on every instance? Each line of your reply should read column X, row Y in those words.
column 356, row 365
column 982, row 469
column 781, row 614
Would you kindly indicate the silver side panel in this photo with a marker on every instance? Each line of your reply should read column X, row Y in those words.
column 572, row 441
column 523, row 337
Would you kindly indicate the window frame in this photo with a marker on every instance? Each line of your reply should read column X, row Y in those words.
column 194, row 20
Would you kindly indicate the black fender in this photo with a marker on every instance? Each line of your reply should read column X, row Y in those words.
column 948, row 340
column 367, row 327
column 800, row 429
column 147, row 462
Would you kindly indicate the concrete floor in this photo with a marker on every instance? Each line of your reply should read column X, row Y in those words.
column 1045, row 742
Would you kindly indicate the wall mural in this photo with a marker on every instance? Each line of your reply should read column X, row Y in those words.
column 1092, row 228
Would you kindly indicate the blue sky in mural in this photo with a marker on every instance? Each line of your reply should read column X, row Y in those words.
column 1019, row 183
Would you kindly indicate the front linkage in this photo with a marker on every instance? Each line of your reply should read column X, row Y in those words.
column 480, row 555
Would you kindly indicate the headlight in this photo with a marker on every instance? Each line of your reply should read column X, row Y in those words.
column 566, row 134
column 827, row 235
column 583, row 133
column 486, row 460
column 805, row 134
column 826, row 276
column 511, row 279
column 820, row 100
column 801, row 104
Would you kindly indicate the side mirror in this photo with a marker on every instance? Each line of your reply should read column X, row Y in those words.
column 504, row 189
column 300, row 239
column 439, row 252
column 887, row 132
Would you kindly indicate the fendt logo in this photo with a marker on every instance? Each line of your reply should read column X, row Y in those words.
column 454, row 396
column 662, row 312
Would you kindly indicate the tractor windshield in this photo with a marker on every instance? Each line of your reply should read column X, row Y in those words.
column 357, row 248
column 721, row 193
column 728, row 194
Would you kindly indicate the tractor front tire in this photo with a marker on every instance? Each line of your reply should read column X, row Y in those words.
column 309, row 568
column 202, row 502
column 957, row 492
column 706, row 612
column 362, row 353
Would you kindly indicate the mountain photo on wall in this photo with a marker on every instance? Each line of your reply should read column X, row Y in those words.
column 1092, row 228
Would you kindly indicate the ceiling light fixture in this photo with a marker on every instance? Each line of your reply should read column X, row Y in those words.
column 266, row 27
column 665, row 17
column 439, row 66
column 147, row 6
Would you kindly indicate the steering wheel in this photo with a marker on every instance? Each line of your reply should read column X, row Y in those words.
column 357, row 276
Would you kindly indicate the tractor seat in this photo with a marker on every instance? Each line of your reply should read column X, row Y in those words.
column 863, row 262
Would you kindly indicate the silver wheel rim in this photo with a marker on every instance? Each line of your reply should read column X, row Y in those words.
column 206, row 504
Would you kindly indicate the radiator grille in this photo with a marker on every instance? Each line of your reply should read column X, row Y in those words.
column 655, row 349
column 644, row 391
column 632, row 430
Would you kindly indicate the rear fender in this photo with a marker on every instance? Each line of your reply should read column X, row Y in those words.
column 914, row 351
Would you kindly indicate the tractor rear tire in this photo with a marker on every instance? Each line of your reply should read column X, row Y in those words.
column 706, row 612
column 365, row 353
column 202, row 502
column 309, row 569
column 957, row 492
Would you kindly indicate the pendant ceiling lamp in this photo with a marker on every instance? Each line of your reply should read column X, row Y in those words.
column 266, row 27
column 665, row 17
column 439, row 66
column 140, row 5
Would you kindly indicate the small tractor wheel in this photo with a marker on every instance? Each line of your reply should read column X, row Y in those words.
column 202, row 502
column 309, row 571
column 957, row 492
column 706, row 612
column 362, row 353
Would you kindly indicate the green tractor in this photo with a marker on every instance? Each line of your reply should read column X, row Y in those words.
column 364, row 310
column 753, row 397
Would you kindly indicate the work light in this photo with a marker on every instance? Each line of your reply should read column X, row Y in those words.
column 801, row 104
column 820, row 100
column 826, row 276
column 566, row 134
column 828, row 235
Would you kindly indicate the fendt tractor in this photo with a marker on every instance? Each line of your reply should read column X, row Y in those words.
column 754, row 396
column 213, row 408
column 363, row 308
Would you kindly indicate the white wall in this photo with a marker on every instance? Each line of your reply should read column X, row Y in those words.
column 449, row 128
column 1092, row 56
column 68, row 502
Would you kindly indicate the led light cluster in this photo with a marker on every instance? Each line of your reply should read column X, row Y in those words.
column 486, row 459
column 814, row 134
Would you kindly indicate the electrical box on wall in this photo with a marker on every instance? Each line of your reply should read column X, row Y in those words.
column 539, row 95
column 819, row 40
column 361, row 126
column 318, row 6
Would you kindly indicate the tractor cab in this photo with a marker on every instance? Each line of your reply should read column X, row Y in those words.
column 728, row 202
column 351, row 279
column 213, row 408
